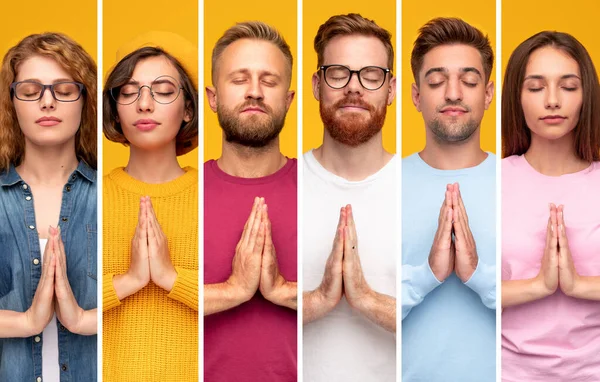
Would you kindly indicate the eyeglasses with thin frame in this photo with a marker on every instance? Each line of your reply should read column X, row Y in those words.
column 164, row 90
column 64, row 91
column 369, row 77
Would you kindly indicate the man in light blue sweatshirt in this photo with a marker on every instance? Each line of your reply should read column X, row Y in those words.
column 448, row 212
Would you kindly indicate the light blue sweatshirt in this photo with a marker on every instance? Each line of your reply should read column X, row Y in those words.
column 448, row 328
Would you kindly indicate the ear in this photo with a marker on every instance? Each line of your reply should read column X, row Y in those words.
column 211, row 94
column 489, row 94
column 289, row 98
column 391, row 91
column 188, row 112
column 316, row 83
column 416, row 96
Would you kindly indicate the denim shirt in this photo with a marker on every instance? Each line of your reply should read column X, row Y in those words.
column 21, row 270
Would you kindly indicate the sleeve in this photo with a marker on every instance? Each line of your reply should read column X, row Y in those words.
column 109, row 294
column 417, row 282
column 185, row 289
column 483, row 282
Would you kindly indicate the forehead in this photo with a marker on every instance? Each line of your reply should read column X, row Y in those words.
column 452, row 57
column 549, row 61
column 355, row 51
column 252, row 55
column 150, row 68
column 43, row 68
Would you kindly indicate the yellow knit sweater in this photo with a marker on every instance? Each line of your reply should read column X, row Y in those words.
column 151, row 335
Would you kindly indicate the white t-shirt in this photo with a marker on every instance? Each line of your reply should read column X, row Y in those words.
column 50, row 365
column 344, row 345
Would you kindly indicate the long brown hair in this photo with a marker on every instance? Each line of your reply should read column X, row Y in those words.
column 516, row 136
column 78, row 63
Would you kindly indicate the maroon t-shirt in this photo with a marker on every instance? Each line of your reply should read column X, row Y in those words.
column 255, row 341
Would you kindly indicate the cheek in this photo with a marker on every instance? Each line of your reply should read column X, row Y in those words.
column 530, row 104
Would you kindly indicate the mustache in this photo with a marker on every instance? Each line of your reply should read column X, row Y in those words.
column 453, row 103
column 255, row 103
column 354, row 100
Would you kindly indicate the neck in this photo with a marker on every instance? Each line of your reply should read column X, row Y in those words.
column 554, row 157
column 352, row 163
column 251, row 162
column 48, row 165
column 452, row 155
column 154, row 166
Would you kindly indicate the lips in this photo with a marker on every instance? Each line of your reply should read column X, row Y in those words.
column 146, row 124
column 553, row 119
column 453, row 111
column 48, row 121
column 253, row 109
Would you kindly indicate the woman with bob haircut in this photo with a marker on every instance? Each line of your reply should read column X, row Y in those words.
column 550, row 212
column 48, row 211
column 150, row 282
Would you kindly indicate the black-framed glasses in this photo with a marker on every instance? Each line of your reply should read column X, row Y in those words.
column 370, row 77
column 64, row 91
column 164, row 90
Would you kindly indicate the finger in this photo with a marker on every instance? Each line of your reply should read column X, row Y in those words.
column 461, row 204
column 60, row 248
column 459, row 233
column 152, row 235
column 447, row 225
column 562, row 231
column 350, row 224
column 268, row 249
column 259, row 241
column 255, row 230
column 338, row 245
column 250, row 222
column 554, row 230
column 349, row 249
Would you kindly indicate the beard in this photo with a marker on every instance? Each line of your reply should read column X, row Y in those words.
column 453, row 131
column 255, row 130
column 352, row 129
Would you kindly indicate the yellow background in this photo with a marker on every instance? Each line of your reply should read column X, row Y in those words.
column 579, row 19
column 217, row 19
column 122, row 22
column 415, row 13
column 75, row 18
column 315, row 13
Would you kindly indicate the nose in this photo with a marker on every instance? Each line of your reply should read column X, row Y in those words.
column 354, row 85
column 145, row 102
column 47, row 102
column 552, row 98
column 254, row 90
column 453, row 90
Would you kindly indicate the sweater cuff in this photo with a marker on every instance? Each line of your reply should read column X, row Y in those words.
column 417, row 283
column 483, row 282
column 109, row 294
column 185, row 289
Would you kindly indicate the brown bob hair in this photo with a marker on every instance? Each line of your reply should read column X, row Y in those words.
column 447, row 31
column 516, row 136
column 187, row 138
column 351, row 24
column 80, row 65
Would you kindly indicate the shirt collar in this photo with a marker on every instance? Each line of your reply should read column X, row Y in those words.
column 12, row 177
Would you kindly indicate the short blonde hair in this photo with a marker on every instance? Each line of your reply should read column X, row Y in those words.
column 78, row 63
column 255, row 30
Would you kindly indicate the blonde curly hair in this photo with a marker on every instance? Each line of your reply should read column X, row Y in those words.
column 78, row 63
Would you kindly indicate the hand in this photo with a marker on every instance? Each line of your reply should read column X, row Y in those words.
column 567, row 274
column 547, row 278
column 246, row 264
column 68, row 311
column 139, row 267
column 331, row 288
column 466, row 251
column 273, row 286
column 162, row 271
column 41, row 310
column 356, row 289
column 442, row 254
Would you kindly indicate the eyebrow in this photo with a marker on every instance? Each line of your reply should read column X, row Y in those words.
column 54, row 82
column 261, row 73
column 440, row 69
column 540, row 77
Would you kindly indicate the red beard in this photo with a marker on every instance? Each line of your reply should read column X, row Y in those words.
column 352, row 129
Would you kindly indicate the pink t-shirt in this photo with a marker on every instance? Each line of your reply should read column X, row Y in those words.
column 557, row 338
column 257, row 340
